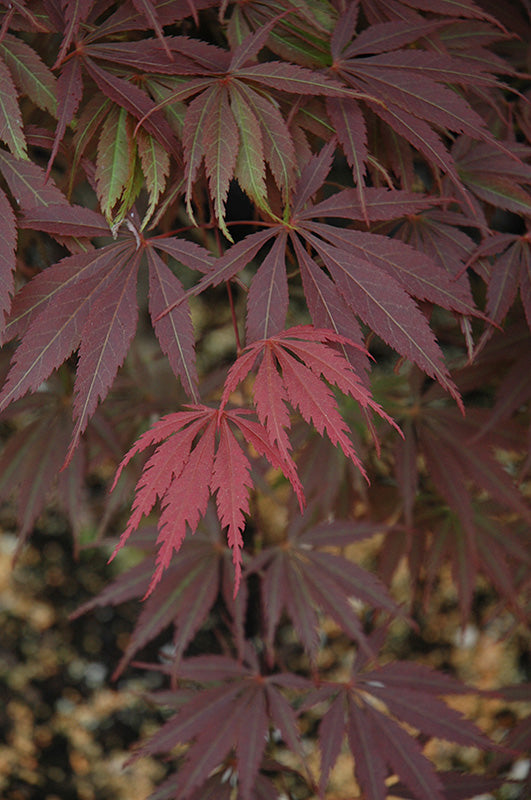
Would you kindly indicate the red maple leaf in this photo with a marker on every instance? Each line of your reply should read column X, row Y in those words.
column 198, row 455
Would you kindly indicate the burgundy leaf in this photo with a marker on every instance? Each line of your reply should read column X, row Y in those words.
column 73, row 285
column 69, row 93
column 174, row 330
column 267, row 303
column 136, row 102
column 366, row 747
column 106, row 337
column 389, row 311
column 8, row 243
column 27, row 183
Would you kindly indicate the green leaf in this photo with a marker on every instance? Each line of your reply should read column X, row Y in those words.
column 115, row 160
column 250, row 165
column 155, row 163
column 220, row 143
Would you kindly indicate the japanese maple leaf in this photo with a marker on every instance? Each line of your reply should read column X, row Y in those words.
column 198, row 456
column 185, row 594
column 410, row 90
column 79, row 22
column 235, row 126
column 361, row 709
column 302, row 579
column 352, row 274
column 471, row 532
column 233, row 711
column 293, row 364
column 21, row 69
column 94, row 298
column 509, row 272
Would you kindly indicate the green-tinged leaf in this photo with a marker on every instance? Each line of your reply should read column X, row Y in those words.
column 155, row 163
column 193, row 134
column 277, row 141
column 250, row 164
column 175, row 111
column 300, row 37
column 30, row 73
column 499, row 191
column 290, row 78
column 115, row 161
column 137, row 103
column 11, row 132
column 220, row 143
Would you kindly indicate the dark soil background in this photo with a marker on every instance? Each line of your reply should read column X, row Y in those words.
column 65, row 729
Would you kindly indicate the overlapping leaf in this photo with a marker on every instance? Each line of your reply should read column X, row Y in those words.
column 378, row 743
column 407, row 89
column 303, row 356
column 93, row 297
column 235, row 106
column 303, row 581
column 185, row 470
column 371, row 278
column 185, row 595
column 233, row 711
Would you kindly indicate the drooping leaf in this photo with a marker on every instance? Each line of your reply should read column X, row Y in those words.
column 155, row 163
column 377, row 741
column 185, row 470
column 301, row 579
column 11, row 132
column 250, row 163
column 174, row 330
column 104, row 345
column 218, row 720
column 29, row 72
column 116, row 160
column 300, row 384
column 69, row 94
column 27, row 183
column 267, row 303
column 220, row 143
column 136, row 102
column 8, row 243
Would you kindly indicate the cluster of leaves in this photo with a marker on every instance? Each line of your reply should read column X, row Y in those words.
column 383, row 146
